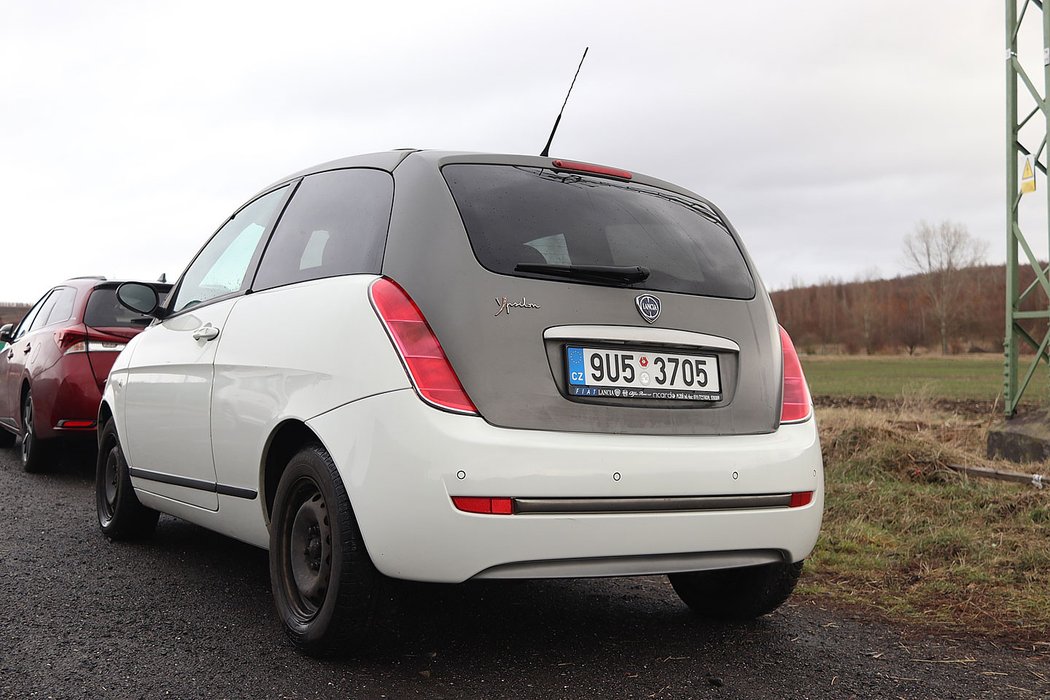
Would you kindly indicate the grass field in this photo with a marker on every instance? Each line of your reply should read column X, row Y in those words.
column 904, row 536
column 955, row 377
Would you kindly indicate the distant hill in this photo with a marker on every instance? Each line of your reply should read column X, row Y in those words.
column 893, row 315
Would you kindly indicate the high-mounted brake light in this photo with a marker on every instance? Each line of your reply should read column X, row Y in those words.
column 593, row 169
column 795, row 406
column 427, row 365
column 487, row 506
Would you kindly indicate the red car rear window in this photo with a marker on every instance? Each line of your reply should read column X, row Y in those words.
column 104, row 311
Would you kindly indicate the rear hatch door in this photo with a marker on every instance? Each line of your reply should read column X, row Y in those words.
column 580, row 302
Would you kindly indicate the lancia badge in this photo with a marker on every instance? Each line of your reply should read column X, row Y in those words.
column 648, row 307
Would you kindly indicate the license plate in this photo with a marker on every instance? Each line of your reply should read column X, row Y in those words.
column 637, row 374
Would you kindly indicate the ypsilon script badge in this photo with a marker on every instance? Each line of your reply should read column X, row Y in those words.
column 505, row 306
column 648, row 307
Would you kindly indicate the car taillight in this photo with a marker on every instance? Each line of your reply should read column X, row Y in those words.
column 72, row 340
column 79, row 339
column 421, row 353
column 795, row 406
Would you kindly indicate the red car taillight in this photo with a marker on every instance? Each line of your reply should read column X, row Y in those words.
column 421, row 353
column 795, row 406
column 80, row 339
column 72, row 339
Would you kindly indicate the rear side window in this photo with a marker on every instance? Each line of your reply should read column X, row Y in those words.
column 525, row 215
column 62, row 308
column 336, row 224
column 104, row 311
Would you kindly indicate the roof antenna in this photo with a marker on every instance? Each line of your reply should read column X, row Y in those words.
column 546, row 149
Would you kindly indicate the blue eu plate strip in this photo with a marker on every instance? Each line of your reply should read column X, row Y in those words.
column 576, row 373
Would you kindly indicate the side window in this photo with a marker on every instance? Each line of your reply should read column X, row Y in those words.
column 27, row 321
column 62, row 307
column 336, row 224
column 220, row 268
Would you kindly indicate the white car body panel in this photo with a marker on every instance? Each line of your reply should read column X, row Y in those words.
column 401, row 490
column 239, row 518
column 267, row 373
column 167, row 411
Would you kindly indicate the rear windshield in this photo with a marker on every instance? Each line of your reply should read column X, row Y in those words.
column 104, row 311
column 526, row 215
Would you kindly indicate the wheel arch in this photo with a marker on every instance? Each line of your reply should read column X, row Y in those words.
column 287, row 438
column 105, row 414
column 23, row 391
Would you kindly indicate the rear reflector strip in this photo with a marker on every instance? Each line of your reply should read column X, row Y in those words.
column 488, row 506
column 75, row 425
column 596, row 506
column 592, row 169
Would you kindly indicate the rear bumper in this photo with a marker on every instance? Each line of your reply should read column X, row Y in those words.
column 402, row 461
column 66, row 391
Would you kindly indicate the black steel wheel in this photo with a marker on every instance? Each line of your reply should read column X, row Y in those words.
column 33, row 450
column 324, row 584
column 120, row 515
column 737, row 594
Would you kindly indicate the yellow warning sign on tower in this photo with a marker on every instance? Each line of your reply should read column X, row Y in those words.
column 1028, row 176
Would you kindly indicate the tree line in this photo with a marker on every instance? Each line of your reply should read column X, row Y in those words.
column 893, row 315
column 951, row 304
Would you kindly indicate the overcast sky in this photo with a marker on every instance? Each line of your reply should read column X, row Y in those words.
column 824, row 130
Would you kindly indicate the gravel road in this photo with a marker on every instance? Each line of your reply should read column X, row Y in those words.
column 189, row 615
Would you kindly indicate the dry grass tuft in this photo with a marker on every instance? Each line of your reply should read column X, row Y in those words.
column 908, row 537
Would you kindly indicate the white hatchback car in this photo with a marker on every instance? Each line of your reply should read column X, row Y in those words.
column 445, row 366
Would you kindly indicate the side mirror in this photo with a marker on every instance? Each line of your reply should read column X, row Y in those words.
column 140, row 298
column 7, row 333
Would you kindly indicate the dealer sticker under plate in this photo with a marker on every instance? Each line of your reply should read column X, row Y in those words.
column 633, row 374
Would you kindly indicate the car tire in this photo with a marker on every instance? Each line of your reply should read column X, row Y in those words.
column 324, row 584
column 120, row 514
column 34, row 451
column 737, row 594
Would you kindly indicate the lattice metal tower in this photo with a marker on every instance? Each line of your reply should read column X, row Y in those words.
column 1019, row 160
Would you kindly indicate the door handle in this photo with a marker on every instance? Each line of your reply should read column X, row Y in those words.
column 10, row 354
column 27, row 348
column 206, row 333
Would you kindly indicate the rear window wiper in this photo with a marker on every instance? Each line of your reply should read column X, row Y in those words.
column 618, row 274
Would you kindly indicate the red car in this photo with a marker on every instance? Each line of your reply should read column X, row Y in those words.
column 56, row 361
